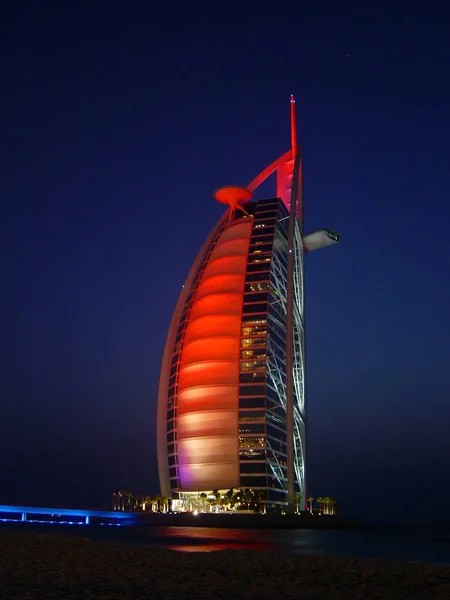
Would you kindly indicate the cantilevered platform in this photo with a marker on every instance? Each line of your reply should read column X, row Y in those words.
column 32, row 513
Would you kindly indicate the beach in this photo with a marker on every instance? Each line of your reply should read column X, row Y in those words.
column 57, row 566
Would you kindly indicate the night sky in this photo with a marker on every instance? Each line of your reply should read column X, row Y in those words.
column 117, row 123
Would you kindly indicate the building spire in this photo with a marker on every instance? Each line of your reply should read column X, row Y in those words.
column 293, row 129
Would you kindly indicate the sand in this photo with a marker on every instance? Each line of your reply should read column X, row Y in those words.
column 46, row 566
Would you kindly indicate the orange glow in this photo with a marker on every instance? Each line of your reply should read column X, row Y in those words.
column 217, row 304
column 212, row 326
column 208, row 386
column 208, row 372
column 225, row 283
column 218, row 348
column 196, row 398
column 227, row 264
column 207, row 423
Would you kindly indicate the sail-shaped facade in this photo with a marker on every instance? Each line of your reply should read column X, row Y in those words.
column 231, row 404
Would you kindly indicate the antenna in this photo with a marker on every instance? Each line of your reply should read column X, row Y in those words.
column 293, row 129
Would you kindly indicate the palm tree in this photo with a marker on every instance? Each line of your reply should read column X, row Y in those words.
column 248, row 498
column 332, row 506
column 216, row 500
column 320, row 502
column 257, row 499
column 159, row 500
column 126, row 500
column 298, row 498
column 310, row 502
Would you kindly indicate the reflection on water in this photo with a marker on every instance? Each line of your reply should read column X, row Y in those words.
column 192, row 539
column 405, row 545
column 420, row 545
column 214, row 547
column 205, row 539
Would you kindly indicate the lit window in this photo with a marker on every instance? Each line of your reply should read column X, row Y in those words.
column 254, row 365
column 252, row 442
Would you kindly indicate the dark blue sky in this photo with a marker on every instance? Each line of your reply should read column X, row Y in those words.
column 117, row 123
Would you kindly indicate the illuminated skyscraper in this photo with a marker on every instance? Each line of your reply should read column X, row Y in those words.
column 231, row 404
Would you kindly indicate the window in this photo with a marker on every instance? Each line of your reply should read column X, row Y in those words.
column 170, row 448
column 170, row 414
column 276, row 457
column 260, row 248
column 171, row 460
column 253, row 467
column 273, row 336
column 276, row 446
column 258, row 267
column 254, row 354
column 252, row 390
column 253, row 365
column 256, row 330
column 251, row 454
column 265, row 220
column 277, row 416
column 251, row 428
column 254, row 309
column 170, row 425
column 254, row 327
column 265, row 213
column 276, row 433
column 260, row 241
column 252, row 415
column 252, row 402
column 257, row 276
column 264, row 229
column 250, row 481
column 261, row 237
column 257, row 287
column 170, row 436
column 253, row 342
column 259, row 297
column 258, row 442
column 253, row 376
column 272, row 394
column 172, row 472
column 272, row 202
column 260, row 258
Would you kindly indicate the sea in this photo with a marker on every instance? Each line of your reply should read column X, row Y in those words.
column 406, row 544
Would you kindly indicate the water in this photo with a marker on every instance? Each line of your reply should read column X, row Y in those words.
column 422, row 544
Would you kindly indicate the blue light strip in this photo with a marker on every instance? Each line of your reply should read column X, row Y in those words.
column 59, row 522
column 67, row 512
